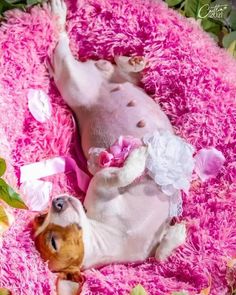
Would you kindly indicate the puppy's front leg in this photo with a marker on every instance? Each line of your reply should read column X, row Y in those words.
column 121, row 177
column 66, row 287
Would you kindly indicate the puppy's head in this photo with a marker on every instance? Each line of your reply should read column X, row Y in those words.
column 59, row 235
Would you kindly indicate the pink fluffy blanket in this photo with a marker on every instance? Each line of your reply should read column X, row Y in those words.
column 195, row 83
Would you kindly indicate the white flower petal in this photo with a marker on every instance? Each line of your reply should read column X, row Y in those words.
column 39, row 105
column 36, row 194
column 208, row 163
column 170, row 161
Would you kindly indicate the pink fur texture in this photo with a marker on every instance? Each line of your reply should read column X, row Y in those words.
column 195, row 83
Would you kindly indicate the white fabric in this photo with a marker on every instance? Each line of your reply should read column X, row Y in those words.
column 170, row 161
column 54, row 166
column 42, row 169
column 176, row 203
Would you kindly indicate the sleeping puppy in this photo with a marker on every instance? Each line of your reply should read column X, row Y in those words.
column 126, row 214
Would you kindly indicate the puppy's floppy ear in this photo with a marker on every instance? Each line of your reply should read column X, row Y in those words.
column 76, row 276
column 39, row 220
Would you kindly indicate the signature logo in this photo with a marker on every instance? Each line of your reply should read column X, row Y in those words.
column 213, row 11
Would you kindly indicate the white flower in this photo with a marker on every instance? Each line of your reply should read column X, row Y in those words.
column 170, row 162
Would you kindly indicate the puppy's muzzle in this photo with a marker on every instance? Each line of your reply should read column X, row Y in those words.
column 59, row 204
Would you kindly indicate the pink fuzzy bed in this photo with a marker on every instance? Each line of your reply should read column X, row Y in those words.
column 194, row 81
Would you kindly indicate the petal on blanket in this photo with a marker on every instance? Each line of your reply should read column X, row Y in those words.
column 208, row 163
column 39, row 105
column 36, row 194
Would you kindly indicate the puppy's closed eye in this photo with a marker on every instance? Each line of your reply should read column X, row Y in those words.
column 54, row 242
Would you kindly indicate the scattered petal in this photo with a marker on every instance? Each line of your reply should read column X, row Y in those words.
column 208, row 163
column 39, row 105
column 36, row 194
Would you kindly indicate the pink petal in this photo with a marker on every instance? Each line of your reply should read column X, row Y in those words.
column 208, row 163
column 115, row 149
column 36, row 194
column 39, row 105
column 105, row 159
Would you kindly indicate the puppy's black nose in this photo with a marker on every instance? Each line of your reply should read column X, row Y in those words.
column 59, row 204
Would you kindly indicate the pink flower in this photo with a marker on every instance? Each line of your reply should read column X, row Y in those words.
column 122, row 148
column 115, row 155
column 105, row 159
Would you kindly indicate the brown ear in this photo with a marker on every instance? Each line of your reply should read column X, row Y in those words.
column 38, row 221
column 72, row 272
column 75, row 277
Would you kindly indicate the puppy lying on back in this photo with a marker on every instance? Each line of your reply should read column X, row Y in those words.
column 135, row 189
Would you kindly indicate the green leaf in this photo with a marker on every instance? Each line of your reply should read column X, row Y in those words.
column 3, row 167
column 3, row 217
column 33, row 2
column 215, row 37
column 195, row 7
column 179, row 293
column 4, row 5
column 212, row 26
column 172, row 3
column 14, row 1
column 232, row 48
column 228, row 39
column 232, row 19
column 4, row 291
column 8, row 195
column 138, row 290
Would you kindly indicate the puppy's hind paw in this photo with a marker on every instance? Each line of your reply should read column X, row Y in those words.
column 174, row 238
column 138, row 63
column 133, row 64
column 59, row 9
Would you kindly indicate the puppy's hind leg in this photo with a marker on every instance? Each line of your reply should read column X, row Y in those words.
column 175, row 237
column 59, row 9
column 73, row 78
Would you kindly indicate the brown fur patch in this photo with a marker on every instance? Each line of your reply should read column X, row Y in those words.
column 70, row 253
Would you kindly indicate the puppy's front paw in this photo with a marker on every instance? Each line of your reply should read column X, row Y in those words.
column 111, row 176
column 59, row 9
column 139, row 155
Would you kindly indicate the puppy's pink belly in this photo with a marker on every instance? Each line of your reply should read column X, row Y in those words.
column 128, row 111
